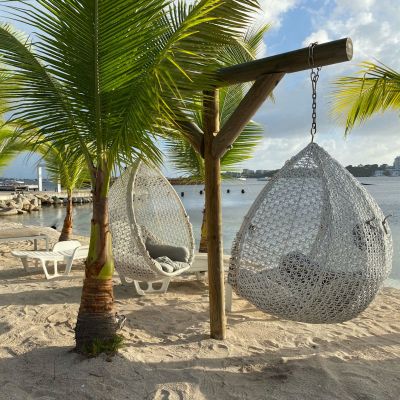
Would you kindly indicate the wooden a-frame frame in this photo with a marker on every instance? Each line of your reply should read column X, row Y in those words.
column 215, row 141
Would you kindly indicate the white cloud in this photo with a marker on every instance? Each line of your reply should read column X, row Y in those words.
column 373, row 26
column 374, row 29
column 273, row 10
column 356, row 5
column 320, row 36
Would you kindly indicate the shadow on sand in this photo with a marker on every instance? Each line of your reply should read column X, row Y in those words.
column 57, row 373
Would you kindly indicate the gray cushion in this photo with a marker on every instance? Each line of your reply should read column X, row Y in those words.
column 167, row 265
column 174, row 253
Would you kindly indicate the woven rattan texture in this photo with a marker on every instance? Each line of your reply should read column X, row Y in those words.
column 143, row 203
column 314, row 246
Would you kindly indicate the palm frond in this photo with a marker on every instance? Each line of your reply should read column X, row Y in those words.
column 64, row 165
column 356, row 99
column 10, row 145
column 183, row 157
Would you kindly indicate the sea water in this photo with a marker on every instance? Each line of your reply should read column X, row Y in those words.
column 235, row 205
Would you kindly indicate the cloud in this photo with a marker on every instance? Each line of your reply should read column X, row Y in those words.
column 373, row 27
column 320, row 36
column 273, row 10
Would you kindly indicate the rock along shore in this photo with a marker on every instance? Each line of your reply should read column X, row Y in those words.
column 22, row 203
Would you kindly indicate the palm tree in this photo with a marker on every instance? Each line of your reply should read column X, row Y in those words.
column 190, row 163
column 9, row 147
column 101, row 76
column 68, row 168
column 62, row 164
column 377, row 89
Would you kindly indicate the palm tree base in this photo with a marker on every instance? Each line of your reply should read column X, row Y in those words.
column 97, row 323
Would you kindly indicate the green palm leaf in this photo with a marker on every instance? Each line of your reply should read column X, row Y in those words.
column 187, row 161
column 355, row 99
column 102, row 79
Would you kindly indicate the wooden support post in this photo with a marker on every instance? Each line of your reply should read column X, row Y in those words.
column 214, row 218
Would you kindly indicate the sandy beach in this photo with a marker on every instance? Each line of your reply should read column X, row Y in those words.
column 168, row 354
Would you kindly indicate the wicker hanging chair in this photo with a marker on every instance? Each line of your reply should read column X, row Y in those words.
column 314, row 247
column 144, row 206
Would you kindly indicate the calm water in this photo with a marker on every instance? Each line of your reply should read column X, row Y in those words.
column 386, row 191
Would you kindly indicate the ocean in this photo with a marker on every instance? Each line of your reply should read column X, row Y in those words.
column 235, row 204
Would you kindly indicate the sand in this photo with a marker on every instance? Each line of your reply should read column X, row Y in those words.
column 168, row 354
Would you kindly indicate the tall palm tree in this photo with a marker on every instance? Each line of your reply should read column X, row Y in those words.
column 376, row 89
column 186, row 160
column 62, row 164
column 9, row 147
column 68, row 168
column 101, row 76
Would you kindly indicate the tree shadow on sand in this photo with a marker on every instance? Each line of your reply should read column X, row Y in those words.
column 57, row 373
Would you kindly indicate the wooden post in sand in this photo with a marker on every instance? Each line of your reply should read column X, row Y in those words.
column 266, row 73
column 214, row 217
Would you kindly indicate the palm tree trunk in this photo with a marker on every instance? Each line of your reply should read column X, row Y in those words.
column 96, row 318
column 203, row 238
column 66, row 233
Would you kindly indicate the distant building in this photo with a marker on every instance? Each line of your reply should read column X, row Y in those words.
column 392, row 172
column 248, row 171
column 396, row 164
column 379, row 172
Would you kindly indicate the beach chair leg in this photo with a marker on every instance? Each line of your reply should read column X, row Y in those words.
column 68, row 265
column 35, row 247
column 46, row 272
column 228, row 298
column 200, row 276
column 24, row 261
column 150, row 288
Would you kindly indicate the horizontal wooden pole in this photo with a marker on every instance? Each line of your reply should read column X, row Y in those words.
column 293, row 61
column 249, row 105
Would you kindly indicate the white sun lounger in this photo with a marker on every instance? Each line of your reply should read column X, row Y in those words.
column 67, row 252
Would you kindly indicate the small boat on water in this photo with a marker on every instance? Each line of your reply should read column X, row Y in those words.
column 263, row 179
column 242, row 179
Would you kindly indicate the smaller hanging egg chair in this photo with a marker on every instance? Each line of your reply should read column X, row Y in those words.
column 152, row 237
column 314, row 247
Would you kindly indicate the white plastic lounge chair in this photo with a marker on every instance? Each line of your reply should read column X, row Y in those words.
column 66, row 251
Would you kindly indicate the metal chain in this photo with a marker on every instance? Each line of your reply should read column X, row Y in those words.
column 314, row 75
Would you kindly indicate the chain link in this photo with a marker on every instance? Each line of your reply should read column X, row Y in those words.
column 314, row 76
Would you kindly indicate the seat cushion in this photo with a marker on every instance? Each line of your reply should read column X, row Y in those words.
column 167, row 265
column 174, row 253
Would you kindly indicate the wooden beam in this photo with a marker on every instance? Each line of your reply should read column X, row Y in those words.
column 214, row 218
column 249, row 105
column 293, row 61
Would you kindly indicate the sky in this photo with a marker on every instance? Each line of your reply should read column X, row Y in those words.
column 373, row 25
